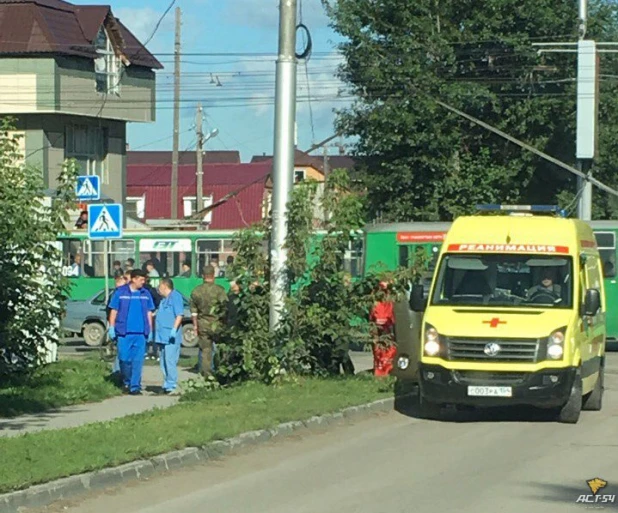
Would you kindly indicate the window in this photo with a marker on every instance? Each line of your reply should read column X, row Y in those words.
column 136, row 207
column 94, row 256
column 299, row 175
column 208, row 200
column 216, row 252
column 190, row 203
column 107, row 65
column 167, row 257
column 353, row 258
column 71, row 257
column 606, row 242
column 407, row 253
column 267, row 205
column 88, row 145
column 100, row 299
column 505, row 280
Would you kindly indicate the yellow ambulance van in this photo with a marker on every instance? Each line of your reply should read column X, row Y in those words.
column 515, row 315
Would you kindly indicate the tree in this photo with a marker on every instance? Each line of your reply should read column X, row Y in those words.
column 421, row 162
column 33, row 288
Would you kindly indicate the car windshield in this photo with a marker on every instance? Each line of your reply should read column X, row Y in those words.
column 504, row 280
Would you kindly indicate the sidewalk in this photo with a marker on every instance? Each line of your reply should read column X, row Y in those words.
column 116, row 407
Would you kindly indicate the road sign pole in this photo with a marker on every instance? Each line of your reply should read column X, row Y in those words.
column 106, row 265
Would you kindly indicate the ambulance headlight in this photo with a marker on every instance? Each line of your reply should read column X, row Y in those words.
column 555, row 344
column 555, row 351
column 432, row 341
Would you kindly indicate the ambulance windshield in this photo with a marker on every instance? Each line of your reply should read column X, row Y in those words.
column 505, row 279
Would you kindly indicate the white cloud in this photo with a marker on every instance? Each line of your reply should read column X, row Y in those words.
column 265, row 13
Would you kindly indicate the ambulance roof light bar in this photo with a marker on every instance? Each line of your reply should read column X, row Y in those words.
column 522, row 208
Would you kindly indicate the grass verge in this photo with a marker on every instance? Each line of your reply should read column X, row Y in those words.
column 61, row 384
column 44, row 456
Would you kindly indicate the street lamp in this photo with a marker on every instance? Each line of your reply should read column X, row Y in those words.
column 213, row 133
column 200, row 152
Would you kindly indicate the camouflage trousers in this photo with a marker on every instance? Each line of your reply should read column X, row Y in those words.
column 204, row 341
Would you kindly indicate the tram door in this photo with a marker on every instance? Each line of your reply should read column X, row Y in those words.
column 606, row 242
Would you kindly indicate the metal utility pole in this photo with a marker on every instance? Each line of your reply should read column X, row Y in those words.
column 587, row 102
column 283, row 162
column 198, row 158
column 174, row 213
column 587, row 106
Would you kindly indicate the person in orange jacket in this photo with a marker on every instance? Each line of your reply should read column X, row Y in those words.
column 383, row 317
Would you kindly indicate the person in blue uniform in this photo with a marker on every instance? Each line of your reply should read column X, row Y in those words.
column 168, row 335
column 130, row 322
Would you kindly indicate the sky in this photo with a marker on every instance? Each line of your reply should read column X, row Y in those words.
column 229, row 51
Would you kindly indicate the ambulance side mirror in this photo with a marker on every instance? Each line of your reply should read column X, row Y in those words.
column 592, row 302
column 417, row 298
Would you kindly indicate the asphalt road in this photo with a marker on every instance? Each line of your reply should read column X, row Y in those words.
column 510, row 461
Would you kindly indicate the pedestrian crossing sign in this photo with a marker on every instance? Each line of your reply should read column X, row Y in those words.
column 105, row 221
column 88, row 188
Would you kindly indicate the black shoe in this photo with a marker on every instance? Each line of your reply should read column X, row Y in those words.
column 136, row 392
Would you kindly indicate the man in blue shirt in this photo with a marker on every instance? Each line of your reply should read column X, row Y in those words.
column 168, row 335
column 131, row 324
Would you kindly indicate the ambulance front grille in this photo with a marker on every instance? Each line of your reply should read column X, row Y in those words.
column 520, row 350
column 479, row 378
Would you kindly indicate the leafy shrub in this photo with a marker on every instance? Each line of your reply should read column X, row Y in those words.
column 33, row 288
column 326, row 310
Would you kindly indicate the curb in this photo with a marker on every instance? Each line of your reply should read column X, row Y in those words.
column 42, row 495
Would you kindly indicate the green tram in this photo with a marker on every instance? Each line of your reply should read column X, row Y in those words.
column 394, row 245
column 179, row 254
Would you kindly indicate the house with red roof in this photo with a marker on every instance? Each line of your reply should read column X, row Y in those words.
column 240, row 191
column 73, row 76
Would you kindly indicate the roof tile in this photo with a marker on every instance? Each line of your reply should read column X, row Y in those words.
column 55, row 26
column 214, row 174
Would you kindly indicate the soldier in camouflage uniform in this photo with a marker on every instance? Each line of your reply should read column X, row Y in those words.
column 205, row 300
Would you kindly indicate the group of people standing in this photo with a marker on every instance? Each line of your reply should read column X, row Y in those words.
column 135, row 321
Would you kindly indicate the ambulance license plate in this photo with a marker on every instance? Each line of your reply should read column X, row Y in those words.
column 490, row 391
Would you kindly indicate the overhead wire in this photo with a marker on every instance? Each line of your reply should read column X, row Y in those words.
column 305, row 56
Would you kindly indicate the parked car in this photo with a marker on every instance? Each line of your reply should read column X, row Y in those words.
column 86, row 318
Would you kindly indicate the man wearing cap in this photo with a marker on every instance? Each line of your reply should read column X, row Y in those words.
column 206, row 299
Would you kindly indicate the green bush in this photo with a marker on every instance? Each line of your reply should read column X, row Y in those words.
column 325, row 308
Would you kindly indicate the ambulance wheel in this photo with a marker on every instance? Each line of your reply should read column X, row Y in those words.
column 594, row 400
column 570, row 412
column 93, row 333
column 189, row 339
column 429, row 410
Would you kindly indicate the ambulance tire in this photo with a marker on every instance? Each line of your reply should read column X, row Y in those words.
column 594, row 400
column 570, row 412
column 429, row 410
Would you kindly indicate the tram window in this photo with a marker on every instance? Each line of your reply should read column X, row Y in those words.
column 435, row 253
column 403, row 256
column 216, row 252
column 72, row 259
column 94, row 256
column 606, row 242
column 167, row 256
column 353, row 257
column 121, row 251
